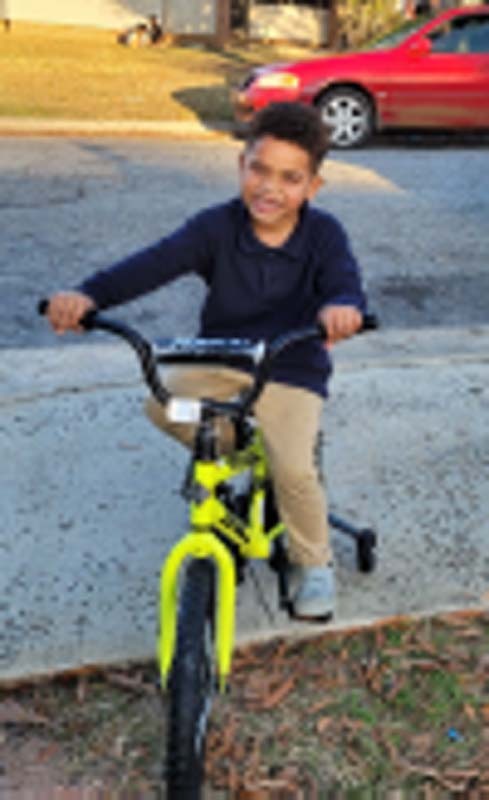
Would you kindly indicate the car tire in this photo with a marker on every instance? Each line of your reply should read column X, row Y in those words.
column 349, row 114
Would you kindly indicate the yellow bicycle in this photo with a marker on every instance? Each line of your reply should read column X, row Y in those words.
column 232, row 519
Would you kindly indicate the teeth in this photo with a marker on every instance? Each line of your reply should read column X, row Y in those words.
column 266, row 204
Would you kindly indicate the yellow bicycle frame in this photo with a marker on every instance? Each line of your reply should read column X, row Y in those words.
column 208, row 516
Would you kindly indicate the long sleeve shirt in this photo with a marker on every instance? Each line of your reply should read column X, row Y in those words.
column 253, row 291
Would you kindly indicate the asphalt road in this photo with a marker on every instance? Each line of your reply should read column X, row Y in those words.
column 417, row 217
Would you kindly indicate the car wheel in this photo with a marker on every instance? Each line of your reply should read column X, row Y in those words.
column 350, row 116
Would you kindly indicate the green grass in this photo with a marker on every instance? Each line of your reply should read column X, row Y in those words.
column 51, row 71
column 403, row 705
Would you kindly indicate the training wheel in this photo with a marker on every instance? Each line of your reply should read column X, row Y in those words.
column 366, row 546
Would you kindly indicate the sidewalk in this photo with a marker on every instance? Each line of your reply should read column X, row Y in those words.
column 90, row 494
column 32, row 126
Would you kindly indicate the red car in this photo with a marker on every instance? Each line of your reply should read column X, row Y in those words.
column 437, row 76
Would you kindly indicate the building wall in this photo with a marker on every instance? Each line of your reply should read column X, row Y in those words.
column 99, row 13
column 192, row 17
column 288, row 22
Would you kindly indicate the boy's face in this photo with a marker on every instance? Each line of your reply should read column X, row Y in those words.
column 276, row 178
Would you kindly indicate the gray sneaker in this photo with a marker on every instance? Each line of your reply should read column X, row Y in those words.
column 315, row 597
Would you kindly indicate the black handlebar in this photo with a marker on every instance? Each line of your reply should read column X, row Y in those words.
column 261, row 354
column 93, row 320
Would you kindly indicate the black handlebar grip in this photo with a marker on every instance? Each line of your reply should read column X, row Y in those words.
column 86, row 321
column 322, row 330
column 370, row 322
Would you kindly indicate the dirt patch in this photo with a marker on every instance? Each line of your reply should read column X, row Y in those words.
column 401, row 704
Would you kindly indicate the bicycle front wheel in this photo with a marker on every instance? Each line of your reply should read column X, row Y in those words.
column 191, row 685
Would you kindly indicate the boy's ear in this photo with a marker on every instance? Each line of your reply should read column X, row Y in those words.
column 314, row 186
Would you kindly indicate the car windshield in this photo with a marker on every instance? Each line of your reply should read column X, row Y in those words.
column 397, row 36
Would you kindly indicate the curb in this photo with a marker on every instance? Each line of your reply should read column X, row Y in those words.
column 307, row 633
column 28, row 126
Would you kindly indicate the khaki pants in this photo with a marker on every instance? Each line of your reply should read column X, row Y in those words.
column 289, row 418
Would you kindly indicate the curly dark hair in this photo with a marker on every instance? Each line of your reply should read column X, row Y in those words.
column 292, row 122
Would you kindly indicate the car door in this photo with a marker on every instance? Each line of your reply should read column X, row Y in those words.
column 442, row 79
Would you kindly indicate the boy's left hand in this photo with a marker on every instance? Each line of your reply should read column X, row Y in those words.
column 340, row 322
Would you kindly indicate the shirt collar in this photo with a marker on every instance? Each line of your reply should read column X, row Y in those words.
column 293, row 248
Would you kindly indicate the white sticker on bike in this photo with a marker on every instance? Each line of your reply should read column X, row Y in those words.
column 183, row 409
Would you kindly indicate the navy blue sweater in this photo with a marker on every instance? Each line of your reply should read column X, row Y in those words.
column 253, row 290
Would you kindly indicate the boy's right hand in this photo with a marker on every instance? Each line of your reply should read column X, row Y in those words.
column 66, row 309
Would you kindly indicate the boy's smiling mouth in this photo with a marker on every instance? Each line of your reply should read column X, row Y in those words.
column 265, row 205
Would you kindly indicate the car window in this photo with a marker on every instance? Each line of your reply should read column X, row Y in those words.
column 391, row 39
column 468, row 34
column 479, row 38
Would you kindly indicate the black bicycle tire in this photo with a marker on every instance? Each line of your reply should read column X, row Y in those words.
column 191, row 684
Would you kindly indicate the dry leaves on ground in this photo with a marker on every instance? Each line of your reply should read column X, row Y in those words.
column 402, row 704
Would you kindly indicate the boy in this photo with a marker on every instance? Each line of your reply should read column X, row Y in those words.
column 271, row 264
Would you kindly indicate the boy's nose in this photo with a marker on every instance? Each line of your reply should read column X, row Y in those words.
column 270, row 184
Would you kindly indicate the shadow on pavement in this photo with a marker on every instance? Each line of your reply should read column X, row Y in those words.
column 210, row 104
column 436, row 140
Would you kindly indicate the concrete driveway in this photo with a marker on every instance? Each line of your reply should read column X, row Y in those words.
column 90, row 492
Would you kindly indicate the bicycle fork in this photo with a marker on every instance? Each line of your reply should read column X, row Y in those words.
column 198, row 545
column 207, row 514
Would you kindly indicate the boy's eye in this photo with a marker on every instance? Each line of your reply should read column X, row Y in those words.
column 262, row 170
column 292, row 177
column 258, row 168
